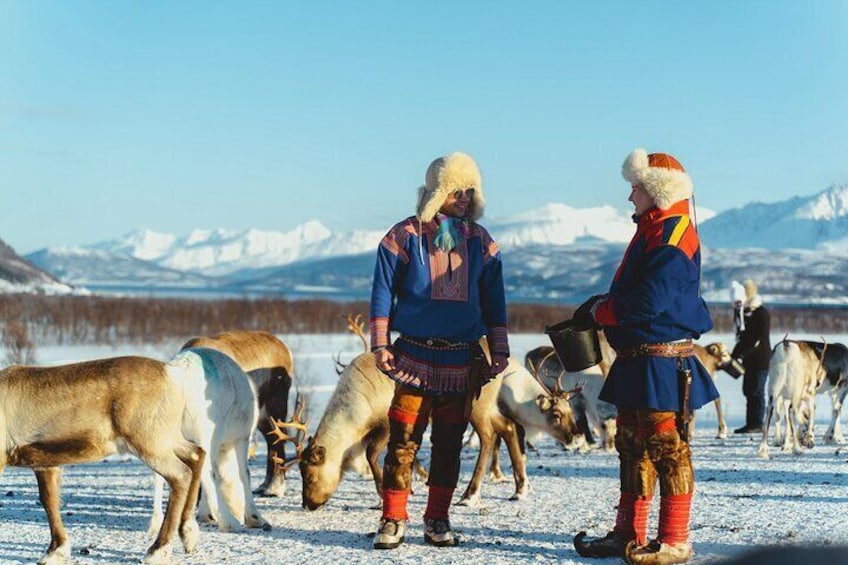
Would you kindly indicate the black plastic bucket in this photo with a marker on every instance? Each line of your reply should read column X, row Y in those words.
column 733, row 368
column 577, row 345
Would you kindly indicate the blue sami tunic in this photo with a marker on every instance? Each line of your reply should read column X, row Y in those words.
column 423, row 292
column 654, row 298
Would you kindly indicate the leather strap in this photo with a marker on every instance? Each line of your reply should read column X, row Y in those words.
column 675, row 349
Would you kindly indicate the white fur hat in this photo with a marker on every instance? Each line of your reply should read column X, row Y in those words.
column 456, row 171
column 737, row 292
column 660, row 175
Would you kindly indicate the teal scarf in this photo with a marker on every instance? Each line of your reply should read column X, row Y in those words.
column 449, row 233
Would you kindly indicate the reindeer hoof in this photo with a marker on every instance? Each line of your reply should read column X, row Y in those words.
column 189, row 534
column 472, row 501
column 256, row 521
column 58, row 556
column 763, row 453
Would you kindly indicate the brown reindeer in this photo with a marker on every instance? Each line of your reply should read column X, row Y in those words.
column 54, row 416
column 269, row 364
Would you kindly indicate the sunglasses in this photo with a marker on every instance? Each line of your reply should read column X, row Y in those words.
column 469, row 192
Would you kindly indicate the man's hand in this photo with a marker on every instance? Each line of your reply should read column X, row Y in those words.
column 499, row 363
column 584, row 315
column 385, row 359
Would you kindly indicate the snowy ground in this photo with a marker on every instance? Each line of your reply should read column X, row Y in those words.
column 741, row 501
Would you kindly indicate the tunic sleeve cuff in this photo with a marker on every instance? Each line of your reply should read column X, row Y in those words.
column 498, row 340
column 379, row 333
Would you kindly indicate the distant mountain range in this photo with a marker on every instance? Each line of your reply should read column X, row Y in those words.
column 19, row 275
column 797, row 249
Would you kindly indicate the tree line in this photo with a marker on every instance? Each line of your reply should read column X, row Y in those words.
column 72, row 320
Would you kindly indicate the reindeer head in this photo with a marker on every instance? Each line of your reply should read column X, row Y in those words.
column 320, row 478
column 560, row 415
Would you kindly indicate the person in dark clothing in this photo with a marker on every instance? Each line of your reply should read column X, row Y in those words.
column 753, row 351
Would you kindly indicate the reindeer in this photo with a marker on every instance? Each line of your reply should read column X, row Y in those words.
column 54, row 416
column 269, row 363
column 220, row 417
column 795, row 372
column 593, row 416
column 355, row 420
column 599, row 416
column 795, row 367
column 511, row 405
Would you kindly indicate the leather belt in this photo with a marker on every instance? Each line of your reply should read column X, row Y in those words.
column 436, row 343
column 674, row 349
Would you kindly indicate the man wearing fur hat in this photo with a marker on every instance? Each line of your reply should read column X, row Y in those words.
column 753, row 350
column 650, row 316
column 438, row 282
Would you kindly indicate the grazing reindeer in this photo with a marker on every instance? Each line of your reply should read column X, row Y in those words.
column 356, row 420
column 511, row 405
column 220, row 417
column 269, row 363
column 795, row 373
column 593, row 416
column 598, row 415
column 54, row 416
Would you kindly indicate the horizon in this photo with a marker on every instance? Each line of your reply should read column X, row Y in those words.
column 118, row 117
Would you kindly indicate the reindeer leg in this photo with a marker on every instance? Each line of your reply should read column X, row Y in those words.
column 49, row 487
column 496, row 475
column 471, row 496
column 217, row 495
column 375, row 446
column 156, row 517
column 722, row 425
column 518, row 457
column 838, row 401
column 762, row 452
column 180, row 466
column 252, row 517
column 809, row 439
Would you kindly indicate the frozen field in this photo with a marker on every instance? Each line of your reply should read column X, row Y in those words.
column 741, row 501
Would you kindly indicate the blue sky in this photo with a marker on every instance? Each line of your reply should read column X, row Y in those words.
column 181, row 115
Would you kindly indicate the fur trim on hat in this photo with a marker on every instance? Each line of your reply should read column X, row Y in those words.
column 444, row 175
column 665, row 185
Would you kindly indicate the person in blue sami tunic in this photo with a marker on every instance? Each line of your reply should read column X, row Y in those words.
column 651, row 316
column 438, row 282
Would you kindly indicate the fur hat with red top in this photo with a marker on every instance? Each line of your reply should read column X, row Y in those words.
column 660, row 175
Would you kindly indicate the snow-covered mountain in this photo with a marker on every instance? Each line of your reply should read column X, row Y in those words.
column 20, row 275
column 222, row 252
column 819, row 221
column 797, row 249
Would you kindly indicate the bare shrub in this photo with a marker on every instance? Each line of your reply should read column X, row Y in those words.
column 20, row 350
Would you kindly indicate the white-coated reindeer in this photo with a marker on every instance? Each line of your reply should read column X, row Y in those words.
column 269, row 363
column 795, row 373
column 221, row 414
column 54, row 416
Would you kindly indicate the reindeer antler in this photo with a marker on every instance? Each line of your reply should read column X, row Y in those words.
column 298, row 423
column 357, row 327
column 538, row 378
column 340, row 367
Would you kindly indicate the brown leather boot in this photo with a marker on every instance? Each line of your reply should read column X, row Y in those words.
column 656, row 553
column 611, row 545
